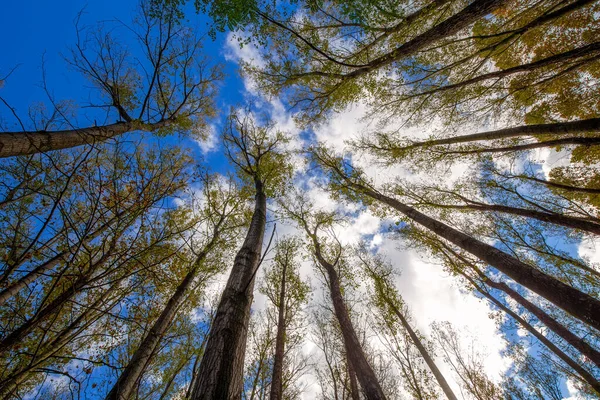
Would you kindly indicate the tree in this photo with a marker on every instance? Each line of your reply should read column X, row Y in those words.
column 101, row 230
column 255, row 151
column 468, row 365
column 287, row 292
column 174, row 92
column 578, row 304
column 221, row 216
column 391, row 305
column 311, row 222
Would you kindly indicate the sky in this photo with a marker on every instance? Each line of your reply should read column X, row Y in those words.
column 33, row 31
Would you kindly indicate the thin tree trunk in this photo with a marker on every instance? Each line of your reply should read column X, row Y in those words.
column 578, row 304
column 124, row 386
column 556, row 219
column 424, row 353
column 578, row 343
column 24, row 329
column 577, row 53
column 560, row 185
column 31, row 276
column 556, row 129
column 449, row 27
column 354, row 393
column 580, row 141
column 221, row 371
column 88, row 316
column 32, row 142
column 583, row 373
column 356, row 356
column 277, row 379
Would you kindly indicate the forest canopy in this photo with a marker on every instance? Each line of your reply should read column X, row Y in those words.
column 299, row 199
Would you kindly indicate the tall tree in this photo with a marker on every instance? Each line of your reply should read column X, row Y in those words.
column 219, row 220
column 256, row 152
column 389, row 301
column 174, row 93
column 288, row 293
column 311, row 222
column 578, row 304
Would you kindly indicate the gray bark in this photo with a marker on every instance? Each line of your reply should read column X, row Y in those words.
column 221, row 371
column 32, row 142
column 277, row 378
column 356, row 356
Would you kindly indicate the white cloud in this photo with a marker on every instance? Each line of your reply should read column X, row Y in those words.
column 208, row 141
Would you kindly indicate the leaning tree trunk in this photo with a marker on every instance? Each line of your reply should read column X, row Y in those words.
column 221, row 371
column 578, row 304
column 560, row 330
column 32, row 142
column 559, row 185
column 356, row 356
column 354, row 393
column 449, row 27
column 557, row 129
column 577, row 140
column 422, row 350
column 277, row 378
column 45, row 266
column 544, row 216
column 584, row 375
column 18, row 377
column 54, row 306
column 125, row 385
column 590, row 51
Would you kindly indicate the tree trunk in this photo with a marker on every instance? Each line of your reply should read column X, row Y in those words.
column 89, row 316
column 571, row 55
column 581, row 345
column 354, row 393
column 124, row 386
column 31, row 276
column 221, row 371
column 578, row 304
column 560, row 185
column 457, row 22
column 577, row 140
column 356, row 356
column 583, row 373
column 424, row 353
column 277, row 379
column 556, row 219
column 32, row 142
column 556, row 129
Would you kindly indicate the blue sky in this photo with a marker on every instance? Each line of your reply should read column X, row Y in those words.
column 33, row 29
column 42, row 30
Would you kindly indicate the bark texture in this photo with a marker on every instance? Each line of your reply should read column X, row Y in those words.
column 128, row 379
column 356, row 356
column 221, row 371
column 277, row 378
column 32, row 142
